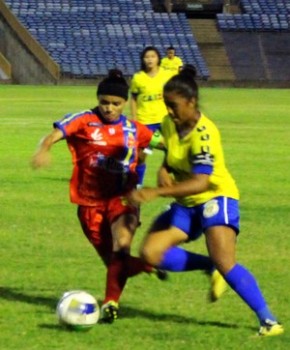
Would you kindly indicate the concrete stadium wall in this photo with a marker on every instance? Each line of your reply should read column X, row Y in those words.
column 257, row 56
column 30, row 63
column 5, row 68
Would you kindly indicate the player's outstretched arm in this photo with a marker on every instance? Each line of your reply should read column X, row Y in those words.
column 42, row 157
column 164, row 178
column 198, row 183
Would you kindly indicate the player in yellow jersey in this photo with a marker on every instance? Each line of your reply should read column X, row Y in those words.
column 147, row 105
column 194, row 172
column 171, row 62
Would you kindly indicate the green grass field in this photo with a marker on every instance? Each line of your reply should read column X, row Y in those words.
column 44, row 253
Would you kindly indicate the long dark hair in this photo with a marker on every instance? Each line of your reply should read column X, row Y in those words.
column 143, row 53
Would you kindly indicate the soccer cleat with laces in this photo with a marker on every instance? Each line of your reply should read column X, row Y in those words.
column 270, row 328
column 109, row 312
column 218, row 286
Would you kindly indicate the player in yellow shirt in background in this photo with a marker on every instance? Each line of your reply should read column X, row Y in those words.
column 206, row 202
column 171, row 63
column 147, row 104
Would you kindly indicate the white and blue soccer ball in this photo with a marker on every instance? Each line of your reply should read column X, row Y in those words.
column 78, row 310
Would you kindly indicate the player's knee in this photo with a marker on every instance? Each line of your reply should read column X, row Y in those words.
column 224, row 265
column 151, row 255
column 124, row 243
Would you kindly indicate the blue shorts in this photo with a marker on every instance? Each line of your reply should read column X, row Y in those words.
column 154, row 127
column 219, row 211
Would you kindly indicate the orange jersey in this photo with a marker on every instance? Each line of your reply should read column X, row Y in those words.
column 104, row 155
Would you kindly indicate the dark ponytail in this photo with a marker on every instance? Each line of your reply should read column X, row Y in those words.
column 115, row 74
column 188, row 69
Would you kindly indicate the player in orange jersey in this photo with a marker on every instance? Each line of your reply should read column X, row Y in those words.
column 104, row 147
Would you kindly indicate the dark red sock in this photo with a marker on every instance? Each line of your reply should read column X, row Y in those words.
column 136, row 265
column 116, row 277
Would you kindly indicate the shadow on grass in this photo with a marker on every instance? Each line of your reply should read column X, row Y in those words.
column 54, row 179
column 126, row 312
column 60, row 328
column 13, row 294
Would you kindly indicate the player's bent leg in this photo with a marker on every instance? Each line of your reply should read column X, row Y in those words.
column 177, row 259
column 221, row 246
column 246, row 286
column 96, row 229
column 157, row 243
column 116, row 277
column 123, row 229
column 220, row 242
column 135, row 266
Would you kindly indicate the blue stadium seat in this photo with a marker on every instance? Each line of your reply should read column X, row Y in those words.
column 256, row 22
column 258, row 15
column 77, row 33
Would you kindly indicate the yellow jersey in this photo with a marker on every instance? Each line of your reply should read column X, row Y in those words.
column 172, row 65
column 199, row 151
column 149, row 91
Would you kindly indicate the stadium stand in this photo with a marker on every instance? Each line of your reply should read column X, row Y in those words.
column 86, row 38
column 258, row 15
column 258, row 40
column 266, row 6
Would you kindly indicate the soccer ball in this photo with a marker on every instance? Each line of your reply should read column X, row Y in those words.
column 78, row 310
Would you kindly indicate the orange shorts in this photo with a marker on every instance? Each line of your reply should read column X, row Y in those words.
column 96, row 222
